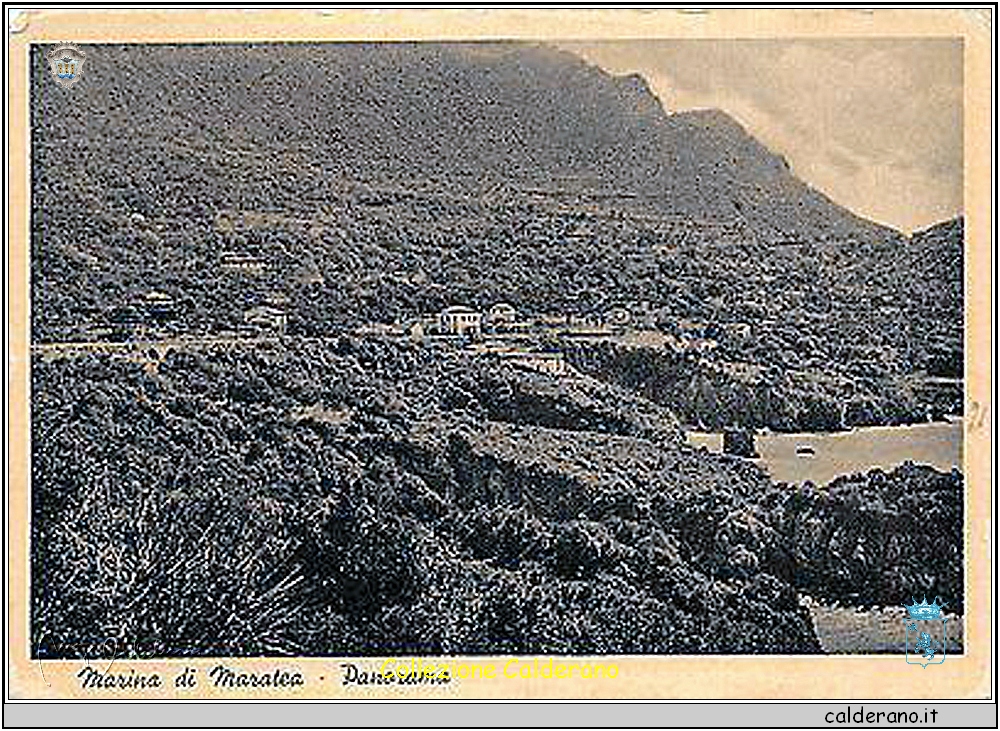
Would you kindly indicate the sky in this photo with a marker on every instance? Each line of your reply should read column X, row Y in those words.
column 876, row 124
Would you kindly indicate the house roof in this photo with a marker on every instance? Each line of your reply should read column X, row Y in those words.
column 239, row 256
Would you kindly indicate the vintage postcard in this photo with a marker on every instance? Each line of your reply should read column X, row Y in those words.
column 500, row 354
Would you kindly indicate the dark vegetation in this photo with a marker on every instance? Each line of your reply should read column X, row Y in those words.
column 865, row 538
column 714, row 394
column 360, row 497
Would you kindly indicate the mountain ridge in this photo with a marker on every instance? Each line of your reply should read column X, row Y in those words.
column 465, row 112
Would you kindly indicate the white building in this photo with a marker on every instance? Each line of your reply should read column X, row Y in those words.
column 551, row 363
column 502, row 313
column 460, row 320
column 618, row 317
column 243, row 263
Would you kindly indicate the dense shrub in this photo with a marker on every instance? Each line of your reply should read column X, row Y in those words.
column 214, row 504
column 167, row 504
column 880, row 538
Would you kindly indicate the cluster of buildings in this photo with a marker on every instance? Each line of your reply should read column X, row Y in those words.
column 140, row 319
column 504, row 319
column 500, row 330
column 157, row 315
column 503, row 332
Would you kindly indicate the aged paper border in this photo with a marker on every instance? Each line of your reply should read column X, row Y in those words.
column 702, row 677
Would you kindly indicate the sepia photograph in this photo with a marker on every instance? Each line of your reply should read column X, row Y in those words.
column 559, row 351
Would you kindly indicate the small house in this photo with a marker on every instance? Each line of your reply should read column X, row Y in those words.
column 738, row 332
column 618, row 317
column 266, row 318
column 461, row 320
column 242, row 263
column 502, row 313
column 416, row 331
column 277, row 300
column 551, row 363
column 127, row 323
column 552, row 321
column 159, row 306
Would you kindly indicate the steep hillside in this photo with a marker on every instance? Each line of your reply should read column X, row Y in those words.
column 715, row 170
column 341, row 163
column 218, row 125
